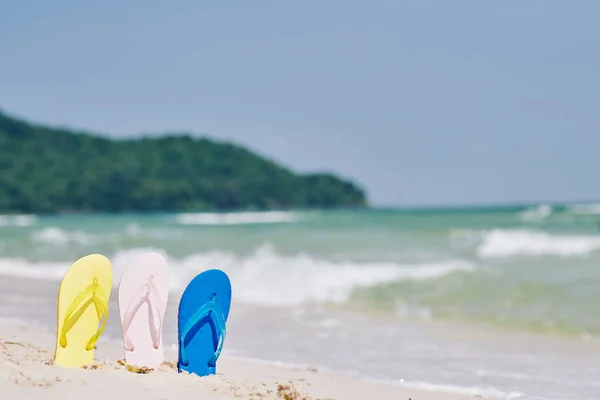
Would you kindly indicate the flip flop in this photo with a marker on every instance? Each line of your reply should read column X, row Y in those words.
column 143, row 295
column 203, row 311
column 82, row 303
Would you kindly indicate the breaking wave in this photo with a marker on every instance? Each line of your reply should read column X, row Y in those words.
column 58, row 236
column 237, row 218
column 17, row 220
column 265, row 277
column 521, row 242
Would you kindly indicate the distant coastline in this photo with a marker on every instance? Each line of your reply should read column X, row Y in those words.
column 46, row 170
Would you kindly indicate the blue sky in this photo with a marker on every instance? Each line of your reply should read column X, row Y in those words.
column 422, row 102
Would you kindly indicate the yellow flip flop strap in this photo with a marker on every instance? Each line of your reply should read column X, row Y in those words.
column 98, row 297
column 102, row 311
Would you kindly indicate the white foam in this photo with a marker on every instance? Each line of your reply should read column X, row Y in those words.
column 237, row 218
column 55, row 235
column 584, row 209
column 17, row 220
column 265, row 277
column 540, row 212
column 521, row 242
column 475, row 391
column 410, row 310
column 133, row 229
column 22, row 268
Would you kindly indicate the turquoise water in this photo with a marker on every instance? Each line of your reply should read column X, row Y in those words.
column 499, row 302
column 532, row 267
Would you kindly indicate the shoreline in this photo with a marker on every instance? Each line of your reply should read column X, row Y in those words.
column 412, row 358
column 26, row 369
column 48, row 286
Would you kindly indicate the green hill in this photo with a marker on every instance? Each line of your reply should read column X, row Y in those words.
column 49, row 170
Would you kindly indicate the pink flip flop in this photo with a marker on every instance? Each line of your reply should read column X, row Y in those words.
column 142, row 297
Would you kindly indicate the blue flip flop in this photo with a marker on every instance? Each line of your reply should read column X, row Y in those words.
column 203, row 311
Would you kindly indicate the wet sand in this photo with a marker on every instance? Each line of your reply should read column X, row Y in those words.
column 27, row 371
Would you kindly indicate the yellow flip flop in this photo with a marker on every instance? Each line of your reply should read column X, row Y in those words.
column 82, row 304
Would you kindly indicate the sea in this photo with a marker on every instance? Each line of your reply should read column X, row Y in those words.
column 499, row 302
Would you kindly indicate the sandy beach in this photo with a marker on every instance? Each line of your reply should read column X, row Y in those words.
column 27, row 371
column 308, row 326
column 303, row 353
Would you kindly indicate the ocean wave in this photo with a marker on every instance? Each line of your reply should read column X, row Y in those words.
column 22, row 268
column 538, row 213
column 584, row 209
column 58, row 236
column 265, row 277
column 133, row 229
column 17, row 220
column 475, row 391
column 499, row 243
column 237, row 218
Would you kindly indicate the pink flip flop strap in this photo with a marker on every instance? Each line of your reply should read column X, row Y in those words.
column 149, row 295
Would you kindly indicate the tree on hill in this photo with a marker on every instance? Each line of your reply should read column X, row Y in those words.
column 49, row 170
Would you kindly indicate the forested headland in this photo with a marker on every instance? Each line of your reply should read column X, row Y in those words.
column 56, row 170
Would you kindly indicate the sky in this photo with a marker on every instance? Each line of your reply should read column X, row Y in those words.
column 420, row 102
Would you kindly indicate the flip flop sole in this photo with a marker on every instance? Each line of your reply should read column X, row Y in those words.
column 75, row 281
column 146, row 267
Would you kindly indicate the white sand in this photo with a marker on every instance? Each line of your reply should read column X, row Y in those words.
column 27, row 372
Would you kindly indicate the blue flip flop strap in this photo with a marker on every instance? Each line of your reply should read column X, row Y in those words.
column 219, row 321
